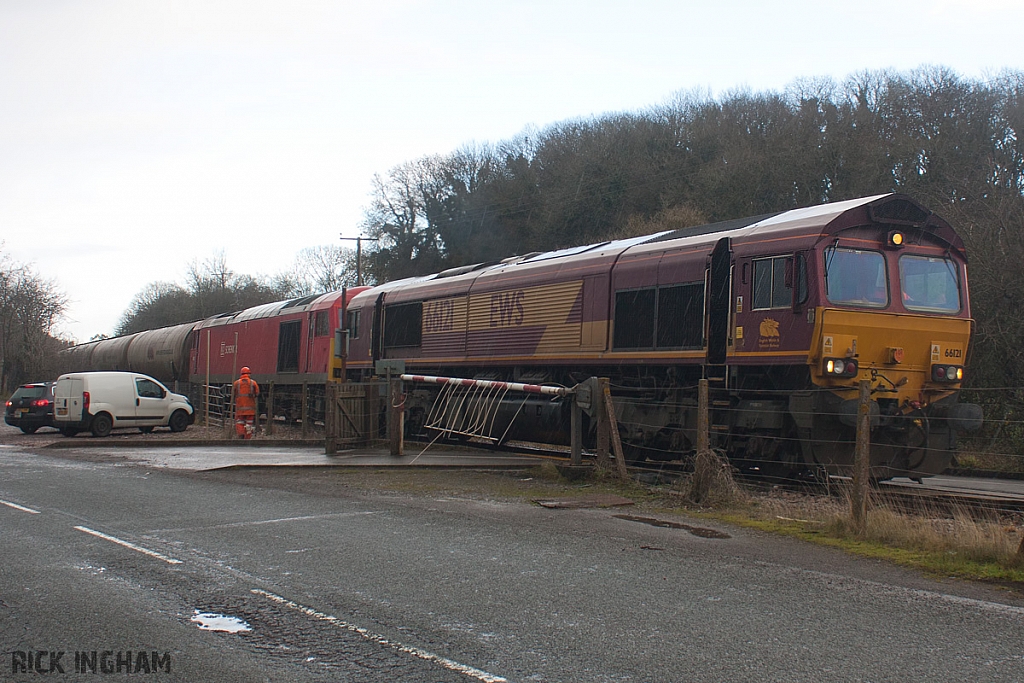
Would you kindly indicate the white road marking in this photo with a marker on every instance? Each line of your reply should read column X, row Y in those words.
column 369, row 635
column 126, row 544
column 983, row 605
column 19, row 507
column 279, row 520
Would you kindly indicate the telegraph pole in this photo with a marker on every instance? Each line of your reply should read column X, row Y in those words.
column 359, row 255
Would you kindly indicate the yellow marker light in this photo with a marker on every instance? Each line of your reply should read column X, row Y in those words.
column 897, row 238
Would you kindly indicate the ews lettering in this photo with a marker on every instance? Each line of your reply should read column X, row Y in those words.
column 507, row 309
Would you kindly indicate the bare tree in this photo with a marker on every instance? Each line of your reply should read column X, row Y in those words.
column 323, row 268
column 30, row 307
column 211, row 288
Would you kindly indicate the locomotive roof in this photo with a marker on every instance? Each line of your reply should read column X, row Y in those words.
column 801, row 227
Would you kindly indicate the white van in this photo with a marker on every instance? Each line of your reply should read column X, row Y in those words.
column 101, row 401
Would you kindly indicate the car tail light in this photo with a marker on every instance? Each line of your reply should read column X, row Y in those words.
column 41, row 402
column 85, row 401
column 947, row 373
column 840, row 367
column 10, row 403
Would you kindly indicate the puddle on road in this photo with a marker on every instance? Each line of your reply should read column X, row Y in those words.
column 695, row 530
column 209, row 621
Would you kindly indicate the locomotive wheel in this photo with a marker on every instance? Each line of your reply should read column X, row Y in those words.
column 632, row 453
column 918, row 432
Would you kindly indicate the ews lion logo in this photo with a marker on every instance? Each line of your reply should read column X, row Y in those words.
column 769, row 328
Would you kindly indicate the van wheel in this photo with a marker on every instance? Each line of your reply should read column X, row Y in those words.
column 178, row 421
column 101, row 425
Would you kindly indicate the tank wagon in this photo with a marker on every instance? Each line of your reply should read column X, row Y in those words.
column 783, row 313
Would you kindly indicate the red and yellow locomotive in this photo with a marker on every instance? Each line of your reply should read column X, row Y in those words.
column 783, row 313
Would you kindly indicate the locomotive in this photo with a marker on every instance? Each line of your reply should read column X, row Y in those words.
column 783, row 313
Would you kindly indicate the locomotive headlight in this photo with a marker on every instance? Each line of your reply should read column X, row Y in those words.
column 947, row 373
column 840, row 367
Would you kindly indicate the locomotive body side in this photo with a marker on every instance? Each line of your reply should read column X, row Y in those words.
column 643, row 312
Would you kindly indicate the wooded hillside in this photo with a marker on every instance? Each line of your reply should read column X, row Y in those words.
column 955, row 144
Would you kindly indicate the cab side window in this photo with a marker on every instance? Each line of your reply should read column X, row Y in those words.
column 148, row 389
column 774, row 279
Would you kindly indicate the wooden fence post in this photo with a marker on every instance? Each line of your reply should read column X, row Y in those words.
column 613, row 428
column 305, row 409
column 862, row 460
column 703, row 420
column 229, row 415
column 256, row 416
column 330, row 418
column 270, row 409
column 372, row 415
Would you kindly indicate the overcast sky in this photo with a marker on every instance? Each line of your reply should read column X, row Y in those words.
column 139, row 136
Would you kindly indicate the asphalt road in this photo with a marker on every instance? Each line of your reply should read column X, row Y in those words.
column 337, row 584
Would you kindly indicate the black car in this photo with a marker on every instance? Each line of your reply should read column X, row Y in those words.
column 31, row 407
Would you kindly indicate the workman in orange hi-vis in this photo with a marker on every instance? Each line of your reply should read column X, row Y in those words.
column 246, row 391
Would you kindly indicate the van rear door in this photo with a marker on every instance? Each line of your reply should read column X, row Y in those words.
column 67, row 400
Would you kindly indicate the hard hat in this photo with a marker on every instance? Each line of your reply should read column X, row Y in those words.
column 245, row 370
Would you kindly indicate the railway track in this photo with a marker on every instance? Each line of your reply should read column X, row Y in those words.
column 944, row 494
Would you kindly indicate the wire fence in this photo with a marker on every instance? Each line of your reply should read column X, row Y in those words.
column 644, row 411
column 998, row 444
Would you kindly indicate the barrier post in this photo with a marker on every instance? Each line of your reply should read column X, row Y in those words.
column 862, row 460
column 576, row 435
column 603, row 426
column 396, row 417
